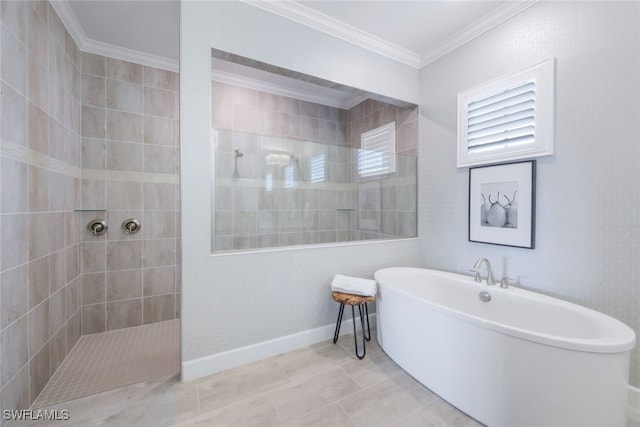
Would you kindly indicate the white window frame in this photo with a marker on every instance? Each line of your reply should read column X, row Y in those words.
column 543, row 75
column 378, row 144
column 317, row 169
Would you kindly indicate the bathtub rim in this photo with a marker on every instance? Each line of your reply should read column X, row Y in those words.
column 623, row 340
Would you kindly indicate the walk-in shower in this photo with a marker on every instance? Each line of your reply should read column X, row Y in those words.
column 311, row 172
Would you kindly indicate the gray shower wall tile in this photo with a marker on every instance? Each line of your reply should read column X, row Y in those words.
column 14, row 116
column 14, row 295
column 93, row 153
column 39, row 371
column 14, row 16
column 56, row 312
column 93, row 318
column 93, row 194
column 72, row 298
column 123, row 126
column 159, row 225
column 159, row 281
column 72, row 260
column 93, row 122
column 14, row 72
column 124, row 195
column 122, row 285
column 94, row 257
column 93, row 91
column 14, row 197
column 38, row 235
column 15, row 394
column 159, row 308
column 73, row 329
column 14, row 348
column 124, row 156
column 57, row 271
column 245, row 118
column 37, row 33
column 160, row 252
column 93, row 64
column 160, row 130
column 160, row 159
column 13, row 244
column 162, row 79
column 122, row 255
column 37, row 83
column 39, row 332
column 160, row 196
column 124, row 96
column 38, row 281
column 93, row 288
column 57, row 349
column 124, row 314
column 160, row 102
column 269, row 121
column 37, row 128
column 38, row 194
column 123, row 70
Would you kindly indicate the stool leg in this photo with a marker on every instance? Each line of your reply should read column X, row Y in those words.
column 366, row 309
column 355, row 336
column 338, row 323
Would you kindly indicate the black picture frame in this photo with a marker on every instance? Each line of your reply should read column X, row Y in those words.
column 502, row 199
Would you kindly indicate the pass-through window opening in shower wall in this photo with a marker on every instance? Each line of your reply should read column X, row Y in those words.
column 302, row 178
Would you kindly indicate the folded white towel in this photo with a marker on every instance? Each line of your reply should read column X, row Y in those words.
column 353, row 285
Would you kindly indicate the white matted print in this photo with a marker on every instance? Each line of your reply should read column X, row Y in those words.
column 502, row 204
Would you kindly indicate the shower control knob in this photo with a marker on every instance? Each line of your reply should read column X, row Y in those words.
column 131, row 226
column 97, row 227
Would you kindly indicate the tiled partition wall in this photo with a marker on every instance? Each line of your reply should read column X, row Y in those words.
column 40, row 187
column 129, row 170
column 249, row 214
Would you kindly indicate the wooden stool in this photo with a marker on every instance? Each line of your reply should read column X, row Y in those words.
column 354, row 300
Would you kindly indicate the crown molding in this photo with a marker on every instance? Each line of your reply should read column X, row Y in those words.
column 304, row 15
column 484, row 24
column 68, row 18
column 85, row 44
column 263, row 86
column 130, row 55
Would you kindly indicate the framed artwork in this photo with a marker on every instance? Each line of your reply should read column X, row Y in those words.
column 502, row 204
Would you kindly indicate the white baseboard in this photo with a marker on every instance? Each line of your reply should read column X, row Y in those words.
column 219, row 362
column 633, row 406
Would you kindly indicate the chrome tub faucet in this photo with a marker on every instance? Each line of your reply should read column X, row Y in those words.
column 478, row 264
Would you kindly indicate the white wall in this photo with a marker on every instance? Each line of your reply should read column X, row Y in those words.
column 233, row 301
column 588, row 197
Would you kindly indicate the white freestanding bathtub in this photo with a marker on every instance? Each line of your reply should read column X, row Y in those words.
column 521, row 359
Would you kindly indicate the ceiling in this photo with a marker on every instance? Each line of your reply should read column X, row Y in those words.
column 412, row 32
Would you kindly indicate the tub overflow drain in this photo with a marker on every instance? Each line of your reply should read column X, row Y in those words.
column 484, row 296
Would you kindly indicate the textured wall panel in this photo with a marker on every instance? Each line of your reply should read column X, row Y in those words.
column 588, row 228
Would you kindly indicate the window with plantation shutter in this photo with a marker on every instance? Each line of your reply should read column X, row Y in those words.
column 508, row 119
column 318, row 169
column 377, row 153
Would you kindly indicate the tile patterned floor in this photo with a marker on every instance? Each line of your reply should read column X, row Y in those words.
column 113, row 359
column 321, row 385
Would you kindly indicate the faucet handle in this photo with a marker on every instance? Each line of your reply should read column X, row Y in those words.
column 504, row 283
column 477, row 275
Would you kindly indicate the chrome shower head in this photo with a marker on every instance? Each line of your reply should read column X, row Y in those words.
column 238, row 152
